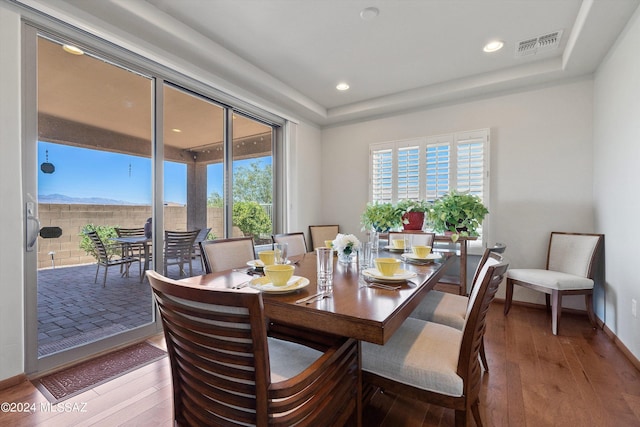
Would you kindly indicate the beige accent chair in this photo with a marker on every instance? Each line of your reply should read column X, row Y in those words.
column 450, row 309
column 569, row 271
column 296, row 243
column 225, row 254
column 435, row 363
column 320, row 233
column 226, row 370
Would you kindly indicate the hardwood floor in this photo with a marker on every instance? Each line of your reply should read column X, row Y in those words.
column 579, row 378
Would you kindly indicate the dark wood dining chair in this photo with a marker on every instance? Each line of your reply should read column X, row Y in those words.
column 450, row 309
column 569, row 271
column 417, row 237
column 296, row 243
column 320, row 233
column 178, row 249
column 226, row 370
column 225, row 254
column 106, row 259
column 435, row 363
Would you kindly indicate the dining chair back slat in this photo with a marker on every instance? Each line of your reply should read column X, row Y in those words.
column 227, row 371
column 296, row 243
column 320, row 233
column 225, row 254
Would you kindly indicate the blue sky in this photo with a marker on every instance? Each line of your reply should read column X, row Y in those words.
column 83, row 173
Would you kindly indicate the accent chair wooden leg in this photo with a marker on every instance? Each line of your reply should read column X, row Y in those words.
column 547, row 298
column 588, row 299
column 556, row 310
column 508, row 297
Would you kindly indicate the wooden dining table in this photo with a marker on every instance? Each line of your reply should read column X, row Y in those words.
column 354, row 310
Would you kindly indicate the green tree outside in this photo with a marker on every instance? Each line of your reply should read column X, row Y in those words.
column 252, row 186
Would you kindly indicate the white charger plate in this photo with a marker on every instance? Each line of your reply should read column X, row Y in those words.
column 400, row 276
column 264, row 284
column 413, row 257
column 256, row 263
column 393, row 249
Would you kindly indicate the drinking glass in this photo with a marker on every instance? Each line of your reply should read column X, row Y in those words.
column 364, row 255
column 280, row 250
column 325, row 270
column 408, row 243
column 374, row 238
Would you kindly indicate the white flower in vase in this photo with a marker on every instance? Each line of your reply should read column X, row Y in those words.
column 346, row 245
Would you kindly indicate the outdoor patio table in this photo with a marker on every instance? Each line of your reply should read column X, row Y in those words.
column 138, row 240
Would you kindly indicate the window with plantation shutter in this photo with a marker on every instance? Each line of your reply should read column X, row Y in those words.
column 381, row 186
column 427, row 168
column 408, row 175
column 437, row 170
column 471, row 166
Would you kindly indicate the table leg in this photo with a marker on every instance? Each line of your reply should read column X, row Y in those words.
column 463, row 267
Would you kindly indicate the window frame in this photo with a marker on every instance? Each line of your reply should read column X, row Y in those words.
column 453, row 141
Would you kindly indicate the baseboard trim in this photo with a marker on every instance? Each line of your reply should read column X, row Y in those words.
column 12, row 381
column 608, row 332
column 613, row 337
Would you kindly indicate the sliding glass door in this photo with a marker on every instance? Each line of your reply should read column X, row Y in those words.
column 111, row 146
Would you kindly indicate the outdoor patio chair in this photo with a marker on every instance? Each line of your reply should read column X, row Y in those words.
column 178, row 249
column 296, row 243
column 227, row 370
column 105, row 259
column 320, row 233
column 434, row 363
column 225, row 254
column 201, row 237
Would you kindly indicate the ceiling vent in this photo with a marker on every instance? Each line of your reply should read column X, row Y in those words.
column 539, row 44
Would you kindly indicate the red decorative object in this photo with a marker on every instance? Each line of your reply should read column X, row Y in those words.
column 416, row 220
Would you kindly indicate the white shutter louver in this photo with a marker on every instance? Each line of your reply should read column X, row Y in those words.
column 437, row 170
column 470, row 167
column 408, row 175
column 382, row 175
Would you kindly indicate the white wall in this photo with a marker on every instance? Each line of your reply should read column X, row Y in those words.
column 541, row 165
column 11, row 245
column 304, row 179
column 616, row 179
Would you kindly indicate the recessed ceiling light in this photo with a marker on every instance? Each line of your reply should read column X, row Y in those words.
column 369, row 13
column 72, row 49
column 176, row 130
column 342, row 86
column 493, row 46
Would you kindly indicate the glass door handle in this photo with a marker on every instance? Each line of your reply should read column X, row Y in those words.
column 33, row 227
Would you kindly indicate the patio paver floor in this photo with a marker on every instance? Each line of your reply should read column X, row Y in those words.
column 73, row 310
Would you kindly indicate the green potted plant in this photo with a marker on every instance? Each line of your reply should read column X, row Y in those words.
column 414, row 213
column 457, row 213
column 382, row 217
